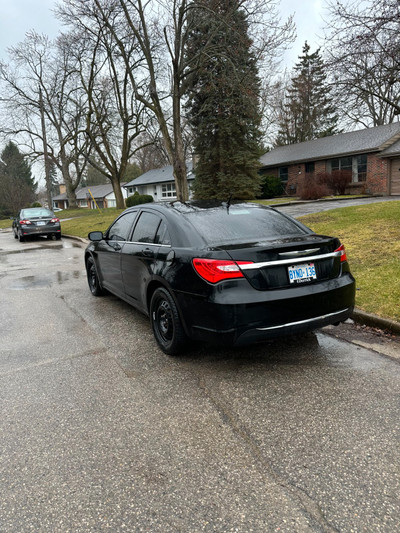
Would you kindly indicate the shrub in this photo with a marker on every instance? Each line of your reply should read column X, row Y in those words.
column 36, row 204
column 271, row 186
column 311, row 188
column 337, row 181
column 137, row 199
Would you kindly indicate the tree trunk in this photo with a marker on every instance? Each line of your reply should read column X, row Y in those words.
column 116, row 184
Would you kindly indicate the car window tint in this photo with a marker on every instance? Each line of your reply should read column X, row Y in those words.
column 162, row 235
column 146, row 228
column 121, row 228
column 239, row 224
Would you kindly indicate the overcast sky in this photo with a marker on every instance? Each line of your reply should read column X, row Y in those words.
column 17, row 17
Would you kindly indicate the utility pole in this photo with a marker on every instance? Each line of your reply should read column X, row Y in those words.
column 45, row 152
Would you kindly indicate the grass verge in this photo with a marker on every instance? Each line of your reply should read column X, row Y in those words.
column 371, row 235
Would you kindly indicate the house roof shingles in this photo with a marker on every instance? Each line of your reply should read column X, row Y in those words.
column 381, row 138
column 159, row 175
column 98, row 191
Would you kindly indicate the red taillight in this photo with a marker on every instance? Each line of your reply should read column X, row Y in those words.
column 215, row 270
column 25, row 222
column 343, row 256
column 55, row 219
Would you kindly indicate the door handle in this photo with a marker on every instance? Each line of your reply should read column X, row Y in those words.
column 147, row 252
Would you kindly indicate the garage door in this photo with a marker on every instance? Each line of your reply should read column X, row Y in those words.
column 395, row 177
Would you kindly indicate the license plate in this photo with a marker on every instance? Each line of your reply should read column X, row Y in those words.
column 302, row 273
column 40, row 223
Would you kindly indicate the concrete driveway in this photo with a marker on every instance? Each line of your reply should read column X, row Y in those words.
column 298, row 209
column 100, row 431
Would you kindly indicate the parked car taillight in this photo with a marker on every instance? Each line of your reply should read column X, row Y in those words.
column 215, row 270
column 55, row 219
column 25, row 222
column 343, row 256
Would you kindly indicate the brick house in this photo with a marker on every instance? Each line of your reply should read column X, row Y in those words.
column 372, row 155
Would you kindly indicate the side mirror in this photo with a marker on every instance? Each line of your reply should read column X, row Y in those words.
column 95, row 236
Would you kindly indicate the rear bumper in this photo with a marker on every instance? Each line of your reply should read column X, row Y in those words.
column 243, row 316
column 41, row 230
column 293, row 328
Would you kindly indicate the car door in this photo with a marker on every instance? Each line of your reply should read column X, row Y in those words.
column 109, row 252
column 140, row 256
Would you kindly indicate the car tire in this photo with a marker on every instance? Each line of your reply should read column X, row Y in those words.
column 166, row 323
column 93, row 279
column 15, row 235
column 20, row 237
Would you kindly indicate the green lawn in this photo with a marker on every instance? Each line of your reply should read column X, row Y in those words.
column 371, row 235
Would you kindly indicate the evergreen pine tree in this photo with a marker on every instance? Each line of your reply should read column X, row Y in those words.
column 17, row 186
column 308, row 112
column 223, row 105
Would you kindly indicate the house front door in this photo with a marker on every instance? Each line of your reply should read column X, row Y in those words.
column 395, row 177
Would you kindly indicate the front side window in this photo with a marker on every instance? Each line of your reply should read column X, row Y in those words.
column 121, row 228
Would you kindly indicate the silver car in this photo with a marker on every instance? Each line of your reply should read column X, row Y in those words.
column 36, row 221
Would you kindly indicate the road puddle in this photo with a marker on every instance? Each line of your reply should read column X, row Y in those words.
column 44, row 281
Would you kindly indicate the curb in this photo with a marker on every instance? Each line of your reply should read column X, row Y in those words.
column 369, row 319
column 75, row 238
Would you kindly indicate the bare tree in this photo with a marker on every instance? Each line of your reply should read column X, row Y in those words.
column 158, row 74
column 363, row 45
column 43, row 104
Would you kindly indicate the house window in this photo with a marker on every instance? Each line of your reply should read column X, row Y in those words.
column 357, row 165
column 310, row 168
column 83, row 203
column 342, row 163
column 168, row 190
column 284, row 174
column 361, row 167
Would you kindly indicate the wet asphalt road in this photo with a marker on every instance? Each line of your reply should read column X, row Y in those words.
column 100, row 431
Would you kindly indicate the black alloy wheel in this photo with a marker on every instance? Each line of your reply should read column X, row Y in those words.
column 166, row 323
column 93, row 279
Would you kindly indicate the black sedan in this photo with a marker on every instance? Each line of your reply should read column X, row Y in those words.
column 230, row 274
column 36, row 221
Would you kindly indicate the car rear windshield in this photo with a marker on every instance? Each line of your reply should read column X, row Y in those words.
column 242, row 224
column 36, row 212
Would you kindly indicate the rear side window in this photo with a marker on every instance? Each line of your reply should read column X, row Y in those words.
column 241, row 224
column 146, row 228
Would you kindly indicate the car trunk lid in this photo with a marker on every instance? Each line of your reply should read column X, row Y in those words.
column 287, row 262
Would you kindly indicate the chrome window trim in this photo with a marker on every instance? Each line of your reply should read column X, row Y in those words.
column 291, row 261
column 148, row 244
